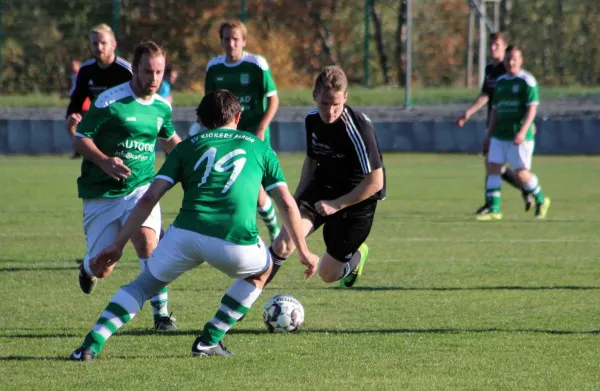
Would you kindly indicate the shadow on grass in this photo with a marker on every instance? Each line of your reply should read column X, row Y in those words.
column 33, row 358
column 475, row 288
column 66, row 358
column 242, row 331
column 36, row 269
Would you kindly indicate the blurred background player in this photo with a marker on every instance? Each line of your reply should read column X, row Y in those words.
column 74, row 66
column 248, row 77
column 104, row 71
column 166, row 87
column 219, row 169
column 510, row 136
column 341, row 181
column 117, row 138
column 493, row 70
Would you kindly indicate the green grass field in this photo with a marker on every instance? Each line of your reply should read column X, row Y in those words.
column 446, row 303
column 381, row 96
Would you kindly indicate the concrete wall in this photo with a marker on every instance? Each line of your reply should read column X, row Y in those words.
column 569, row 136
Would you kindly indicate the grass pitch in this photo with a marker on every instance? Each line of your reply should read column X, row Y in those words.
column 358, row 96
column 445, row 302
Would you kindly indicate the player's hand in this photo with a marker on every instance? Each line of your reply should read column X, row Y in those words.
column 73, row 120
column 519, row 138
column 326, row 208
column 485, row 148
column 311, row 261
column 104, row 263
column 460, row 122
column 115, row 168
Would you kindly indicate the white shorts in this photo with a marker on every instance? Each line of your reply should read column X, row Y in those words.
column 181, row 250
column 103, row 218
column 518, row 156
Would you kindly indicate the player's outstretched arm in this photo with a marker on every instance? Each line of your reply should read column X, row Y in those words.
column 103, row 263
column 481, row 101
column 371, row 184
column 293, row 225
column 142, row 210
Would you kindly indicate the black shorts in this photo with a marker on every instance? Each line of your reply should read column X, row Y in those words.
column 344, row 231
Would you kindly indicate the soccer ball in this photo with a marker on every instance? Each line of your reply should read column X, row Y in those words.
column 283, row 314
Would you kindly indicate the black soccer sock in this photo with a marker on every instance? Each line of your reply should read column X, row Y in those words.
column 509, row 176
column 277, row 262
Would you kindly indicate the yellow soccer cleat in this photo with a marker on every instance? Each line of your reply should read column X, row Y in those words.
column 541, row 210
column 352, row 278
column 489, row 216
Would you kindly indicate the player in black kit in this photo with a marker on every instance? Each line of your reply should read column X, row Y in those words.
column 104, row 71
column 342, row 179
column 493, row 70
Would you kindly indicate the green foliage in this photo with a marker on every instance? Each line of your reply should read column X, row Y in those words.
column 445, row 303
column 298, row 38
column 358, row 96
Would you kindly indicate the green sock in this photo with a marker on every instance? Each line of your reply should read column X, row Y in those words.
column 122, row 308
column 268, row 215
column 493, row 199
column 159, row 303
column 234, row 305
column 533, row 188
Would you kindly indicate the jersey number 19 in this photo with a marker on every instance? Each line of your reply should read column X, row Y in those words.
column 223, row 164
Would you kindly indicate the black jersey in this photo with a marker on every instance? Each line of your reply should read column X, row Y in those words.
column 492, row 72
column 345, row 151
column 93, row 80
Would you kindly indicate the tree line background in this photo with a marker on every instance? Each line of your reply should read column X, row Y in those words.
column 298, row 37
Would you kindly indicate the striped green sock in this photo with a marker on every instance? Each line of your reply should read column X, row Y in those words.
column 268, row 215
column 122, row 308
column 234, row 305
column 159, row 303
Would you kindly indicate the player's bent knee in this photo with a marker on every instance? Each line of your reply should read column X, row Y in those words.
column 144, row 242
column 259, row 280
column 330, row 269
column 283, row 246
column 144, row 286
column 524, row 175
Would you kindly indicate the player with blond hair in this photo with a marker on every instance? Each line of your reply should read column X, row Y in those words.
column 104, row 71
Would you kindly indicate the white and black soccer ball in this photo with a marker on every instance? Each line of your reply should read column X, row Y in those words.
column 283, row 314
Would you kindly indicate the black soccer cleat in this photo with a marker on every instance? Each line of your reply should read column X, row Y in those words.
column 483, row 210
column 529, row 200
column 200, row 349
column 87, row 283
column 82, row 354
column 165, row 323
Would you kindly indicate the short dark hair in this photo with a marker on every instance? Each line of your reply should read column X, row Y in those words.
column 514, row 48
column 217, row 109
column 498, row 36
column 151, row 48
